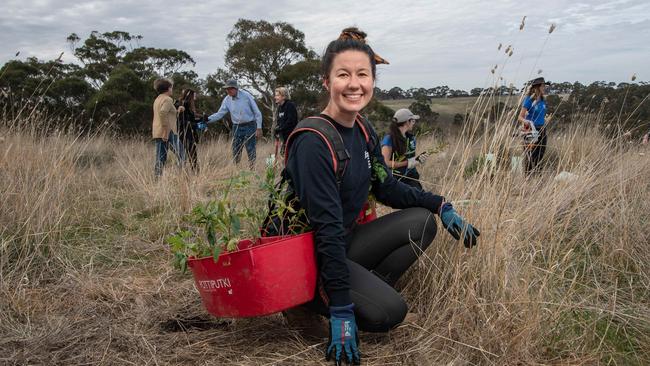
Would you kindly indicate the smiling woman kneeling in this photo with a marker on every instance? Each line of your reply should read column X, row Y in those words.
column 359, row 264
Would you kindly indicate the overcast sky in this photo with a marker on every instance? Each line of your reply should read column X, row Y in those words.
column 428, row 43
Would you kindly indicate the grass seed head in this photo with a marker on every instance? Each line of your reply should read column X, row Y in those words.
column 552, row 28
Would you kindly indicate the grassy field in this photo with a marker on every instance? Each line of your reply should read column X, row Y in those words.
column 561, row 274
column 449, row 107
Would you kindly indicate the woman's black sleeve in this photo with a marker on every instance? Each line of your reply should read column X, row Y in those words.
column 396, row 194
column 311, row 173
column 292, row 118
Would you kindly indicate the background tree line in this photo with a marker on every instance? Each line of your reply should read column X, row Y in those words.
column 111, row 82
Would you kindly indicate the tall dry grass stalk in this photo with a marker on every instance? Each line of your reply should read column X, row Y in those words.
column 561, row 274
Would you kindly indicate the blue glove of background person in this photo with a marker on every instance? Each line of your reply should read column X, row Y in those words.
column 343, row 336
column 201, row 126
column 457, row 226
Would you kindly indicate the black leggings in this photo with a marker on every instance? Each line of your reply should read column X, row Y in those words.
column 536, row 153
column 190, row 139
column 379, row 253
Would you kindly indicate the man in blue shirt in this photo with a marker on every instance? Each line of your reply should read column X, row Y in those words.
column 246, row 120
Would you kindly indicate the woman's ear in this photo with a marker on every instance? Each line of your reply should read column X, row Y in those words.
column 326, row 84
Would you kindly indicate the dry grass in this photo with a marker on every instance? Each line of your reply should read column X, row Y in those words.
column 561, row 276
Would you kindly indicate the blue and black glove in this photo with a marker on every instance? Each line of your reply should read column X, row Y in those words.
column 457, row 226
column 201, row 126
column 343, row 336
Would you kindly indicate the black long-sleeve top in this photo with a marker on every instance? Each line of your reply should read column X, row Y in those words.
column 287, row 119
column 185, row 119
column 332, row 210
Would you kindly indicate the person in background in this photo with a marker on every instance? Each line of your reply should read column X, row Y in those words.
column 532, row 117
column 287, row 115
column 359, row 264
column 189, row 126
column 164, row 132
column 398, row 148
column 246, row 119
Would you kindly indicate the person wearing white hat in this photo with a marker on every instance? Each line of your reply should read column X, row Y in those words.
column 398, row 148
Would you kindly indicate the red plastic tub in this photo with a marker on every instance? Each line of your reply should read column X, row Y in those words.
column 260, row 278
column 368, row 213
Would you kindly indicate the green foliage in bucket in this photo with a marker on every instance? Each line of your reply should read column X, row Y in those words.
column 216, row 226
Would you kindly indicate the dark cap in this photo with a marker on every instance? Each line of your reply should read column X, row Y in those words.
column 538, row 81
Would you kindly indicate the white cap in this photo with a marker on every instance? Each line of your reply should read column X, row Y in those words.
column 403, row 115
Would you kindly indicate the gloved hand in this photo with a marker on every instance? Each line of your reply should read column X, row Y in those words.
column 201, row 126
column 343, row 336
column 422, row 157
column 457, row 226
column 411, row 163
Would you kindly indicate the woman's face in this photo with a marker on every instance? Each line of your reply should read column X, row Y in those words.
column 410, row 124
column 350, row 82
column 279, row 98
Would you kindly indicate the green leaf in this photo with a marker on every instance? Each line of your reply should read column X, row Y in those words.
column 210, row 232
column 183, row 264
column 232, row 244
column 379, row 171
column 216, row 251
column 176, row 243
column 236, row 223
column 180, row 261
column 179, row 241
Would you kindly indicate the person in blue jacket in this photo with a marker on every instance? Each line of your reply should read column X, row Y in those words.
column 532, row 117
column 398, row 148
column 360, row 264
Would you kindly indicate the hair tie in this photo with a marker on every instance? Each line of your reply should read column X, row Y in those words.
column 357, row 35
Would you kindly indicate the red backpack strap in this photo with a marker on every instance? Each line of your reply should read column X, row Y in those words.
column 332, row 138
column 367, row 130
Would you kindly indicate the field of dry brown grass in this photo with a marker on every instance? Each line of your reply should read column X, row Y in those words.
column 561, row 274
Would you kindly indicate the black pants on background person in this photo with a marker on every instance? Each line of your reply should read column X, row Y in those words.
column 535, row 154
column 189, row 138
column 412, row 178
column 379, row 253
